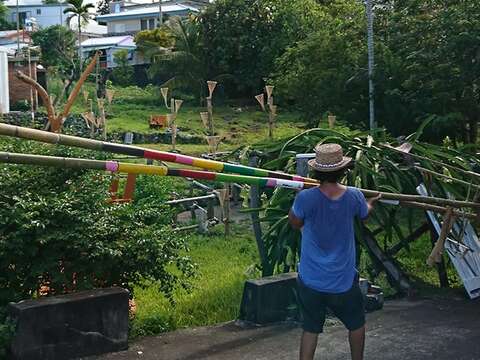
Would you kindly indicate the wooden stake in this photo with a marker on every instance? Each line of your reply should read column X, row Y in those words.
column 436, row 254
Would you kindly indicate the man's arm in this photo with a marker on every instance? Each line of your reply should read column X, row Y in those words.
column 294, row 221
column 371, row 204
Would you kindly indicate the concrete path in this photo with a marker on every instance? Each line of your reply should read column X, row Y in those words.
column 426, row 329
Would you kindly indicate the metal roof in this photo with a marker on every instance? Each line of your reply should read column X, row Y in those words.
column 110, row 41
column 146, row 11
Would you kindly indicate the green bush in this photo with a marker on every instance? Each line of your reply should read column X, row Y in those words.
column 59, row 234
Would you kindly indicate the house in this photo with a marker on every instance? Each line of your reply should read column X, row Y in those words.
column 11, row 40
column 108, row 46
column 36, row 14
column 90, row 30
column 44, row 14
column 12, row 90
column 128, row 18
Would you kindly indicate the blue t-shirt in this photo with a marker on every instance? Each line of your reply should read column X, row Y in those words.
column 327, row 260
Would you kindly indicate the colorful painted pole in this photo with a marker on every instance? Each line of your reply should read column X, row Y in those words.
column 131, row 168
column 416, row 201
column 68, row 140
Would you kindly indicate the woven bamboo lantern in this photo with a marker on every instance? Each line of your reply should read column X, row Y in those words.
column 269, row 107
column 261, row 100
column 85, row 95
column 178, row 105
column 211, row 87
column 204, row 117
column 213, row 142
column 331, row 121
column 269, row 90
column 164, row 92
column 110, row 93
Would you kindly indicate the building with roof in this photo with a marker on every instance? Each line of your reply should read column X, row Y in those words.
column 44, row 14
column 36, row 14
column 130, row 18
column 108, row 46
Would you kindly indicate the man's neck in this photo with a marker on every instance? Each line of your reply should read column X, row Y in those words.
column 333, row 190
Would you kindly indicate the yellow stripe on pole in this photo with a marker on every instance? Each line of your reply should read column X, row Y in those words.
column 208, row 164
column 142, row 169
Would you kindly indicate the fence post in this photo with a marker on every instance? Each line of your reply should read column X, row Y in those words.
column 255, row 204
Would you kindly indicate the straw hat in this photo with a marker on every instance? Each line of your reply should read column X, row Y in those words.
column 329, row 157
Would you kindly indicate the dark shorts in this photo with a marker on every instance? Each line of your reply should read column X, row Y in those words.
column 348, row 307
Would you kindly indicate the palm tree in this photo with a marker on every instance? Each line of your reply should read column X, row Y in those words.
column 186, row 60
column 79, row 10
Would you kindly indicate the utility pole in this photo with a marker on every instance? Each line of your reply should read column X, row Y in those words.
column 160, row 13
column 371, row 64
column 18, row 28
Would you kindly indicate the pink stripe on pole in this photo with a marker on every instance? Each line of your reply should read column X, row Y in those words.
column 271, row 183
column 112, row 166
column 184, row 160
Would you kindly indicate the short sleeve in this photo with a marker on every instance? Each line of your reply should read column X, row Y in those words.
column 299, row 205
column 362, row 206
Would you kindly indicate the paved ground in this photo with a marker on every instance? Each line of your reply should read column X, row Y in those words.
column 426, row 329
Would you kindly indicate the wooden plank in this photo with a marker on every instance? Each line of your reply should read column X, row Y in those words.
column 465, row 255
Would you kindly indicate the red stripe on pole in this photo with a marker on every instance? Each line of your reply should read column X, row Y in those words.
column 157, row 155
column 204, row 175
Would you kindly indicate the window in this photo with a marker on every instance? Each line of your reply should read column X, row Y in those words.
column 143, row 24
column 39, row 11
column 151, row 24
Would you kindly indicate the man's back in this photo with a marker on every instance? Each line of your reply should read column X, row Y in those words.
column 327, row 260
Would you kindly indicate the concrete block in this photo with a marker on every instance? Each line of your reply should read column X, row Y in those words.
column 270, row 299
column 69, row 326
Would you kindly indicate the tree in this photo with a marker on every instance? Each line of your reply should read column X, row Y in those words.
column 321, row 73
column 438, row 51
column 79, row 10
column 122, row 74
column 103, row 7
column 4, row 24
column 151, row 42
column 187, row 60
column 58, row 54
column 244, row 37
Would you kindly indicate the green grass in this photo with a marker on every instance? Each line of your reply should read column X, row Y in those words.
column 223, row 266
column 132, row 108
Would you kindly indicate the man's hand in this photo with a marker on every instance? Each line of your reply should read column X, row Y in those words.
column 372, row 201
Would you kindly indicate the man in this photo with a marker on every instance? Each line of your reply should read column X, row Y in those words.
column 327, row 277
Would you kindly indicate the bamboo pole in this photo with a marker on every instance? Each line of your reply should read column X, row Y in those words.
column 439, row 163
column 207, row 164
column 437, row 251
column 423, row 202
column 438, row 209
column 241, row 170
column 434, row 173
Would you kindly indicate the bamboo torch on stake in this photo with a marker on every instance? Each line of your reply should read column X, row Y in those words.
column 269, row 107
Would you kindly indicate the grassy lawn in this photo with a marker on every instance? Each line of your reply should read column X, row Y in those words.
column 132, row 107
column 223, row 266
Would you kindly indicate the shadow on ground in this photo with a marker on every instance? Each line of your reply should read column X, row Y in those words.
column 425, row 329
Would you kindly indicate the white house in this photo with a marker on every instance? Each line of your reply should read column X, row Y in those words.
column 44, row 14
column 134, row 18
column 108, row 46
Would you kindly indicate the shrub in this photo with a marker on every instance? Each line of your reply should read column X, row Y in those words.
column 58, row 233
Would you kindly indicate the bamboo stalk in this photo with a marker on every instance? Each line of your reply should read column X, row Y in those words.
column 69, row 140
column 434, row 173
column 439, row 163
column 38, row 135
column 438, row 209
column 437, row 251
column 421, row 199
